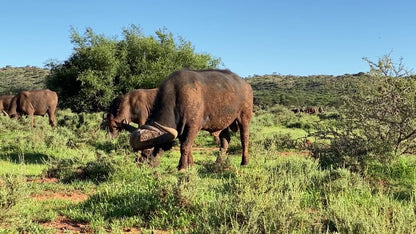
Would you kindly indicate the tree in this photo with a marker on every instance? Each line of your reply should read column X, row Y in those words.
column 101, row 68
column 378, row 119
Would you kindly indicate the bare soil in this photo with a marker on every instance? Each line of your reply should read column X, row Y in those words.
column 63, row 224
column 74, row 196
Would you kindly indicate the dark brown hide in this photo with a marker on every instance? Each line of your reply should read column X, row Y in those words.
column 5, row 101
column 37, row 102
column 189, row 101
column 311, row 110
column 133, row 107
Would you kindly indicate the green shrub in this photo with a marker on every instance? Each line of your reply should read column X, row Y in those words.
column 68, row 170
column 275, row 142
column 100, row 68
column 303, row 121
column 13, row 190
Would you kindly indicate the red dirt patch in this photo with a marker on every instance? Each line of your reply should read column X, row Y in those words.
column 44, row 180
column 75, row 196
column 63, row 224
column 302, row 153
column 132, row 230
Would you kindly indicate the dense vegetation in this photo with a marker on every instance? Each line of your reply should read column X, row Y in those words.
column 296, row 91
column 101, row 68
column 282, row 190
column 269, row 90
column 327, row 192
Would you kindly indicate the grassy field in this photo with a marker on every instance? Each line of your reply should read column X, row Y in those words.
column 73, row 178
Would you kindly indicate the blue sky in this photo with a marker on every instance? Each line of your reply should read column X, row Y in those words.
column 298, row 37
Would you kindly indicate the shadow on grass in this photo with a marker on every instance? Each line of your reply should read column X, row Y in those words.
column 214, row 170
column 107, row 146
column 25, row 157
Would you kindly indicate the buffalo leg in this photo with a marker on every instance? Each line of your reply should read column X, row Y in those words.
column 145, row 155
column 186, row 159
column 157, row 154
column 150, row 156
column 31, row 112
column 32, row 121
column 51, row 116
column 190, row 159
column 244, row 136
column 224, row 139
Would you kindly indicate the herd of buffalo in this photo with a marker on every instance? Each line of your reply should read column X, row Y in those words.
column 186, row 102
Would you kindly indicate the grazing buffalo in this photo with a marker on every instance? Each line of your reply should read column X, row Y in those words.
column 189, row 101
column 5, row 101
column 295, row 110
column 311, row 110
column 133, row 107
column 38, row 102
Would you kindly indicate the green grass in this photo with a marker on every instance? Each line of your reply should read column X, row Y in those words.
column 10, row 168
column 273, row 194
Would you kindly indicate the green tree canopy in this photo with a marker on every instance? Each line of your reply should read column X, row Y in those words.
column 101, row 68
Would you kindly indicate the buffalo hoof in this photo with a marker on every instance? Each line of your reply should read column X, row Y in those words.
column 182, row 170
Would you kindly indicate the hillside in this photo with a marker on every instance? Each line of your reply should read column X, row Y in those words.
column 302, row 91
column 15, row 79
column 286, row 90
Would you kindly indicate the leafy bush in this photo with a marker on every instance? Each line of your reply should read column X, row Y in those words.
column 13, row 189
column 101, row 68
column 272, row 116
column 275, row 142
column 377, row 121
column 69, row 170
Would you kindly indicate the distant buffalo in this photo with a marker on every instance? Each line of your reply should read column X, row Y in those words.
column 38, row 102
column 133, row 107
column 311, row 110
column 5, row 101
column 295, row 110
column 189, row 101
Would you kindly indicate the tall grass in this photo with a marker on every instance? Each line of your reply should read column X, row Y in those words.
column 274, row 194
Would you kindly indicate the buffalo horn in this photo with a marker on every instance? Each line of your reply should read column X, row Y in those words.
column 145, row 139
column 128, row 127
column 152, row 135
column 169, row 130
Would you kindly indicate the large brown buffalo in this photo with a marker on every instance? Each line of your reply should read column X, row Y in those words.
column 189, row 101
column 5, row 101
column 133, row 107
column 37, row 102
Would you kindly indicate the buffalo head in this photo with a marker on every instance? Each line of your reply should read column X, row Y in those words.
column 113, row 127
column 151, row 135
